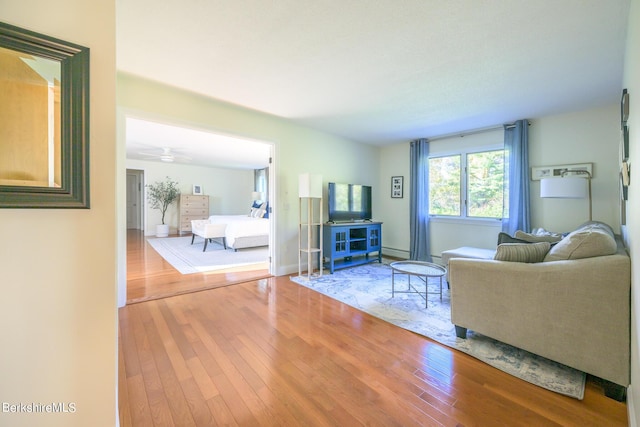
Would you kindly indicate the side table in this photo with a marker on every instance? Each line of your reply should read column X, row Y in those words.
column 423, row 270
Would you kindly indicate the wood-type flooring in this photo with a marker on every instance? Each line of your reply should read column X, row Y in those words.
column 269, row 352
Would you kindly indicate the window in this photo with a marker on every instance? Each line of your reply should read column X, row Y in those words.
column 261, row 180
column 445, row 185
column 478, row 175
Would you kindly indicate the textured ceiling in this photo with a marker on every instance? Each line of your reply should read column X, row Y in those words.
column 383, row 71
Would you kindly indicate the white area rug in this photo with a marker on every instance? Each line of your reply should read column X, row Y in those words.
column 188, row 258
column 368, row 288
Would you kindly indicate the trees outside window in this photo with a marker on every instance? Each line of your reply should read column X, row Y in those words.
column 479, row 176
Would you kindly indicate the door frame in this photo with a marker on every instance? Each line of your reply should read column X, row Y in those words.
column 121, row 116
column 140, row 220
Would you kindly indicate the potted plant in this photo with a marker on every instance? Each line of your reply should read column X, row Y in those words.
column 161, row 195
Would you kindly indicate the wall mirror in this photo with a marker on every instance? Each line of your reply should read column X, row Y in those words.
column 44, row 121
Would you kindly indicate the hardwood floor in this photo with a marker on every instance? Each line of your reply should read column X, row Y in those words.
column 149, row 276
column 270, row 352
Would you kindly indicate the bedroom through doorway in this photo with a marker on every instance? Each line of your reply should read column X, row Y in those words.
column 235, row 175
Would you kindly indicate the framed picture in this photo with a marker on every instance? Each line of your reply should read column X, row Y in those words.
column 197, row 190
column 624, row 143
column 539, row 172
column 397, row 187
column 625, row 166
column 624, row 108
column 624, row 184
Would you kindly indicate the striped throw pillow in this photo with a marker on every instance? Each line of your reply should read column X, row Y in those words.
column 522, row 252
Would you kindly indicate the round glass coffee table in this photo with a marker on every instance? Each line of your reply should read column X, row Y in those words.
column 422, row 270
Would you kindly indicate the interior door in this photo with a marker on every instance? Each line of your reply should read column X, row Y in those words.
column 134, row 191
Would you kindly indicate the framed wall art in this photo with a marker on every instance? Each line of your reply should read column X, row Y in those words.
column 556, row 171
column 624, row 107
column 397, row 184
column 625, row 166
column 624, row 143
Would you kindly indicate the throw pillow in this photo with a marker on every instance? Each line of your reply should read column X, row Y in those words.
column 587, row 242
column 534, row 238
column 505, row 238
column 255, row 206
column 258, row 212
column 599, row 225
column 522, row 252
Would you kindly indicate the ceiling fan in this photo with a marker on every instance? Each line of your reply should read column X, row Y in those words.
column 167, row 155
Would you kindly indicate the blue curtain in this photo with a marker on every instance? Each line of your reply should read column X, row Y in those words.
column 419, row 203
column 516, row 209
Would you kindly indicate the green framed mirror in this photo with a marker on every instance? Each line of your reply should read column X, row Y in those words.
column 44, row 121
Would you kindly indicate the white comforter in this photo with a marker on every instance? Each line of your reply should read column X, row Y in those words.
column 241, row 226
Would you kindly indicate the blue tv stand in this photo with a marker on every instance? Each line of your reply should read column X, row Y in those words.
column 350, row 244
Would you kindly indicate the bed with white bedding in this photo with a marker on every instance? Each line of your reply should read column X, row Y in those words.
column 243, row 231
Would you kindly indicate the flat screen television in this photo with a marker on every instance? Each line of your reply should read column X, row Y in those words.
column 349, row 202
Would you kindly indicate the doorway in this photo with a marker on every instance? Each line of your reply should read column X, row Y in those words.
column 135, row 182
column 148, row 275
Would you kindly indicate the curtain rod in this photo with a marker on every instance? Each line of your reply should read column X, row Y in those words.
column 474, row 131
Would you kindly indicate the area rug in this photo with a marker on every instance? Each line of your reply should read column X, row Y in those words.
column 188, row 258
column 368, row 288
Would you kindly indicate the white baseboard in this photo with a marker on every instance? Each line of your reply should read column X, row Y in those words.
column 398, row 253
column 285, row 270
column 631, row 411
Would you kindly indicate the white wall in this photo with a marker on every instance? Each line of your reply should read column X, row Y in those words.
column 393, row 212
column 229, row 190
column 297, row 150
column 590, row 136
column 58, row 305
column 632, row 231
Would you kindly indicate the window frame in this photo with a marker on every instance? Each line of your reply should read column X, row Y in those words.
column 464, row 184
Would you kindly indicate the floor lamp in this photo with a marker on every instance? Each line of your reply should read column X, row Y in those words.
column 310, row 188
column 568, row 187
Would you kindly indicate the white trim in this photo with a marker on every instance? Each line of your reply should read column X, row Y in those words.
column 487, row 222
column 463, row 154
column 273, row 203
column 399, row 253
column 631, row 410
column 466, row 150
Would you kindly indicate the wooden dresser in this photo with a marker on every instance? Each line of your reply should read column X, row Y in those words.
column 192, row 207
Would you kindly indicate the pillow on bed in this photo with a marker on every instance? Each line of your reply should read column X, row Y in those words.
column 253, row 211
column 258, row 212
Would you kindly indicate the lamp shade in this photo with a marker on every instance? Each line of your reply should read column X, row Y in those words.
column 256, row 195
column 564, row 188
column 310, row 185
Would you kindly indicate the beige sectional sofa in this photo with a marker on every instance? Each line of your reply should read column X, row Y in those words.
column 573, row 307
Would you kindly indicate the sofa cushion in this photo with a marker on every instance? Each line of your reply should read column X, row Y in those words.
column 599, row 225
column 538, row 237
column 522, row 252
column 506, row 238
column 589, row 240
